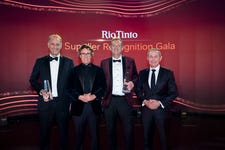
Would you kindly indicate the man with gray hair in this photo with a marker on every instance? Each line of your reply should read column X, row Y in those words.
column 121, row 76
column 156, row 89
column 49, row 78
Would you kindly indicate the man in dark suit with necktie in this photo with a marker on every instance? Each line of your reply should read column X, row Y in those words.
column 52, row 104
column 120, row 71
column 156, row 89
column 87, row 87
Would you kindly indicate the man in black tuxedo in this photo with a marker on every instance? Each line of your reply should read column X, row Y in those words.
column 52, row 104
column 156, row 88
column 87, row 87
column 120, row 71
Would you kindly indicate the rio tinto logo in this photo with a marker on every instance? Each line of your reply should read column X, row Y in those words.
column 119, row 34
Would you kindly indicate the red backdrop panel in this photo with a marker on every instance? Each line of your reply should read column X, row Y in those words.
column 191, row 37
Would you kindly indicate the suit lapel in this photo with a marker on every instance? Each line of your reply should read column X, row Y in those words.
column 47, row 65
column 81, row 76
column 146, row 78
column 124, row 66
column 160, row 77
column 93, row 74
column 60, row 72
column 110, row 67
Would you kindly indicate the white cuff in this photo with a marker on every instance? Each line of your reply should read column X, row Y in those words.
column 40, row 93
column 161, row 104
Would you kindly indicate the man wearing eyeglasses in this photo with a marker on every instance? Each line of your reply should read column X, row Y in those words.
column 87, row 89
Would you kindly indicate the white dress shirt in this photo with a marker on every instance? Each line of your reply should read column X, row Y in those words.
column 156, row 77
column 117, row 77
column 54, row 69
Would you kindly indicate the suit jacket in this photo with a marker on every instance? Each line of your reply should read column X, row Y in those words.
column 128, row 66
column 41, row 72
column 76, row 89
column 164, row 91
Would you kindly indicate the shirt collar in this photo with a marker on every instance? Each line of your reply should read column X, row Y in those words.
column 156, row 69
column 56, row 56
column 86, row 65
column 120, row 58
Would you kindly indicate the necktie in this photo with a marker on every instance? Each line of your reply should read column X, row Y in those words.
column 114, row 60
column 153, row 79
column 51, row 58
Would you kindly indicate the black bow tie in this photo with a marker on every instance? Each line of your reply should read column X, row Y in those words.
column 116, row 60
column 51, row 58
column 86, row 66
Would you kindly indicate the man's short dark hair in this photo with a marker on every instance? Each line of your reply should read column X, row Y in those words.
column 87, row 47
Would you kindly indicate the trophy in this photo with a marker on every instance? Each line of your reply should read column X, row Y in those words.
column 125, row 90
column 47, row 89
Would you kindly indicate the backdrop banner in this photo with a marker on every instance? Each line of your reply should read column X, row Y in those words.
column 190, row 34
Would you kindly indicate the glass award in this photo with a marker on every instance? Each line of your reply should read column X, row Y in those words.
column 125, row 89
column 47, row 89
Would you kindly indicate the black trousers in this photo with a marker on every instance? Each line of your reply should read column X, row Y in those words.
column 87, row 118
column 53, row 112
column 119, row 108
column 151, row 119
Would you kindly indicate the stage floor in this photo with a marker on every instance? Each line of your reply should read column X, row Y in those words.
column 186, row 132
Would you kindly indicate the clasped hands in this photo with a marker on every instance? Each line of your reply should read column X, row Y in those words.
column 87, row 97
column 152, row 104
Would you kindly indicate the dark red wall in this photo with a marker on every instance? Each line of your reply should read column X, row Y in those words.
column 193, row 38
